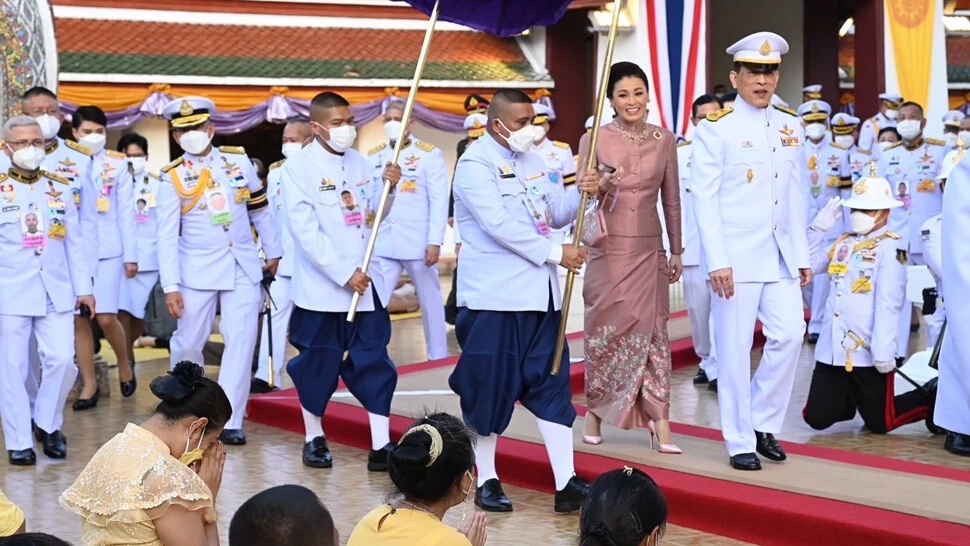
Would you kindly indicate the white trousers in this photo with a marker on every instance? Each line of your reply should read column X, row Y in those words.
column 280, row 291
column 33, row 372
column 239, row 309
column 428, row 287
column 906, row 315
column 934, row 324
column 698, row 295
column 820, row 296
column 55, row 345
column 756, row 404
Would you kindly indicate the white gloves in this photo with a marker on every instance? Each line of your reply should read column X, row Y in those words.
column 829, row 215
column 885, row 367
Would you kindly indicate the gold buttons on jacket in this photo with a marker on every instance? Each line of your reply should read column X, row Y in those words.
column 776, row 175
column 775, row 228
column 776, row 201
column 836, row 313
column 231, row 243
column 839, row 294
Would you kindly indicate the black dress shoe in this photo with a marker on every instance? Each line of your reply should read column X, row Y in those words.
column 957, row 444
column 316, row 453
column 490, row 497
column 377, row 459
column 812, row 339
column 769, row 447
column 55, row 444
column 233, row 437
column 712, row 386
column 745, row 461
column 900, row 361
column 85, row 404
column 700, row 378
column 258, row 386
column 128, row 387
column 931, row 389
column 22, row 457
column 572, row 497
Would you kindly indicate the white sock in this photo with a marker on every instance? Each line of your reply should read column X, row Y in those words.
column 312, row 424
column 380, row 431
column 559, row 446
column 485, row 458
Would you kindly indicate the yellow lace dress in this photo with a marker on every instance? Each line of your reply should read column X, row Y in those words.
column 130, row 482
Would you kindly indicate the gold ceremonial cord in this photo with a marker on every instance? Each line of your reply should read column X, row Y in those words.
column 590, row 164
column 194, row 195
column 859, row 344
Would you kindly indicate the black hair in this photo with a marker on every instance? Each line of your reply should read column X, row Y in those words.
column 889, row 130
column 623, row 507
column 285, row 515
column 140, row 200
column 912, row 104
column 720, row 86
column 760, row 68
column 89, row 113
column 128, row 139
column 186, row 392
column 33, row 539
column 701, row 101
column 420, row 476
column 38, row 92
column 513, row 96
column 951, row 129
column 346, row 191
column 328, row 99
column 625, row 69
column 730, row 96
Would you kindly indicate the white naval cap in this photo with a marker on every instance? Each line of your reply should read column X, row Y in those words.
column 589, row 122
column 542, row 113
column 953, row 118
column 475, row 124
column 892, row 100
column 814, row 110
column 812, row 92
column 872, row 193
column 952, row 159
column 188, row 111
column 844, row 124
column 759, row 48
column 778, row 101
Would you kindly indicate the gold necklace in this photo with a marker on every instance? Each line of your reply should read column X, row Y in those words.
column 634, row 137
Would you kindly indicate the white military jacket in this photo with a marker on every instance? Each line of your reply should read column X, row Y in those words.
column 748, row 194
column 912, row 170
column 688, row 220
column 931, row 234
column 274, row 189
column 202, row 236
column 115, row 205
column 146, row 228
column 420, row 215
column 506, row 208
column 330, row 202
column 72, row 161
column 560, row 162
column 42, row 246
column 869, row 132
column 868, row 289
column 859, row 161
column 826, row 170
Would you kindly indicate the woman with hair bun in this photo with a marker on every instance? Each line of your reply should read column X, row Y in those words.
column 624, row 508
column 431, row 467
column 156, row 484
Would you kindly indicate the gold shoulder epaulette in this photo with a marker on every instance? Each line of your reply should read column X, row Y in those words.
column 232, row 149
column 376, row 149
column 172, row 165
column 277, row 164
column 426, row 146
column 684, row 143
column 3, row 176
column 562, row 145
column 935, row 141
column 866, row 152
column 55, row 178
column 116, row 155
column 892, row 235
column 714, row 116
column 786, row 110
column 155, row 175
column 896, row 145
column 78, row 147
column 839, row 146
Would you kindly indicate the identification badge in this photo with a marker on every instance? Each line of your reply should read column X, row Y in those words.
column 242, row 195
column 141, row 210
column 539, row 210
column 32, row 229
column 103, row 204
column 8, row 194
column 353, row 216
column 218, row 206
column 840, row 262
column 149, row 198
column 408, row 186
column 926, row 186
column 76, row 197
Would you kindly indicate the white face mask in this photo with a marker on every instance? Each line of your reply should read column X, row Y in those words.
column 290, row 148
column 892, row 114
column 49, row 125
column 138, row 164
column 93, row 141
column 393, row 130
column 815, row 131
column 845, row 140
column 965, row 136
column 195, row 142
column 29, row 158
column 342, row 137
column 885, row 145
column 861, row 223
column 951, row 139
column 540, row 132
column 520, row 141
column 909, row 129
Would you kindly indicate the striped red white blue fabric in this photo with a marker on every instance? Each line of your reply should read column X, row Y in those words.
column 676, row 59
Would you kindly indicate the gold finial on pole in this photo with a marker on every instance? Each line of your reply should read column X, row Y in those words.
column 590, row 164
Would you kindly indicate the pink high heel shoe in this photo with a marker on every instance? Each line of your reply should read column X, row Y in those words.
column 591, row 440
column 669, row 449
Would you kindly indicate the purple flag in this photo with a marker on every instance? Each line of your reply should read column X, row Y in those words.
column 499, row 17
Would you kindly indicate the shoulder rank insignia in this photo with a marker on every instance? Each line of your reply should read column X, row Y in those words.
column 116, row 155
column 172, row 165
column 232, row 150
column 155, row 175
column 864, row 152
column 714, row 116
column 562, row 145
column 839, row 146
column 896, row 145
column 376, row 149
column 935, row 141
column 56, row 178
column 277, row 164
column 426, row 146
column 684, row 143
column 892, row 235
column 786, row 110
column 78, row 147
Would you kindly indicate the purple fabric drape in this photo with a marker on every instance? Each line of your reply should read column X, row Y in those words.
column 276, row 109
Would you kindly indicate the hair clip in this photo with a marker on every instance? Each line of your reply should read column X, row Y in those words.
column 628, row 470
column 437, row 444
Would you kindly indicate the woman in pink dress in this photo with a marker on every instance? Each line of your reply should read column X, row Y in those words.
column 628, row 275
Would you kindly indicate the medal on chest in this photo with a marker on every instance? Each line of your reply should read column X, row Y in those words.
column 538, row 205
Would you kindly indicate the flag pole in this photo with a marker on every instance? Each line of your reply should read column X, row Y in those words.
column 590, row 164
column 408, row 107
